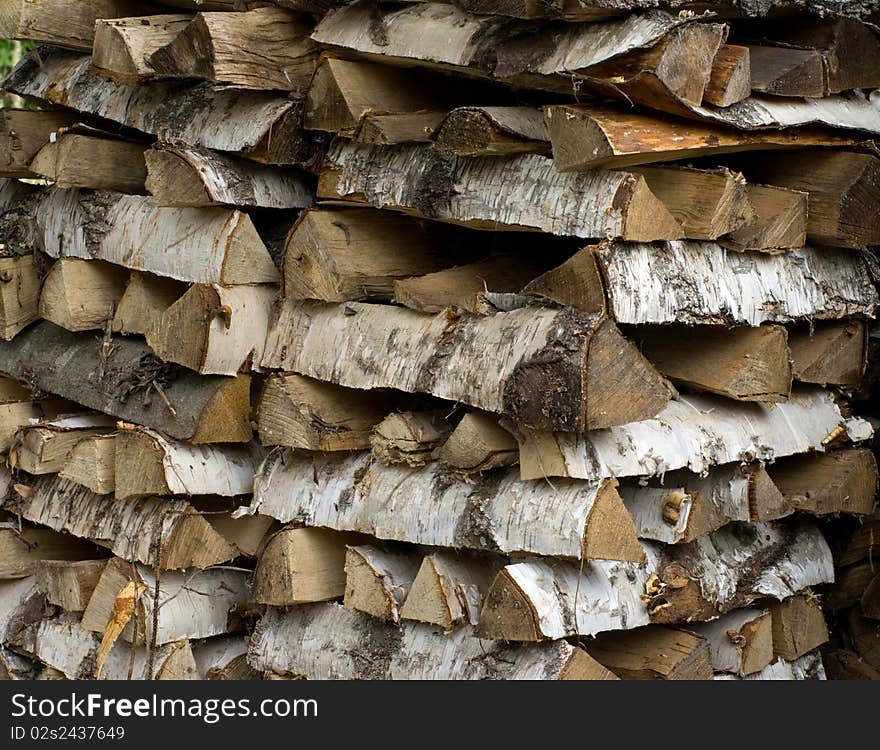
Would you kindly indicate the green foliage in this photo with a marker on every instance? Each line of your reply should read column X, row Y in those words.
column 10, row 53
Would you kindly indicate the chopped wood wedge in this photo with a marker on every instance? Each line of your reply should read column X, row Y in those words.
column 654, row 653
column 43, row 448
column 830, row 353
column 77, row 160
column 479, row 443
column 69, row 584
column 23, row 132
column 731, row 78
column 740, row 642
column 145, row 298
column 377, row 580
column 493, row 131
column 92, row 463
column 410, row 437
column 82, row 295
column 798, row 626
column 20, row 286
column 21, row 550
column 123, row 45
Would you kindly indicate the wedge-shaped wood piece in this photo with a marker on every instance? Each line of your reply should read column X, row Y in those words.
column 688, row 506
column 798, row 626
column 182, row 405
column 189, row 177
column 20, row 285
column 410, row 437
column 496, row 192
column 465, row 286
column 356, row 254
column 830, row 353
column 301, row 565
column 21, row 550
column 77, row 160
column 329, row 641
column 304, row 413
column 145, row 298
column 123, row 45
column 734, row 567
column 21, row 605
column 215, row 330
column 590, row 136
column 23, row 132
column 266, row 48
column 170, row 532
column 427, row 506
column 69, row 584
column 43, row 448
column 701, row 283
column 248, row 534
column 779, row 220
column 377, row 580
column 654, row 653
column 861, row 546
column 388, row 130
column 784, row 71
column 543, row 376
column 260, row 125
column 449, row 589
column 92, row 463
column 745, row 364
column 191, row 603
column 223, row 658
column 740, row 642
column 709, row 431
column 149, row 464
column 58, row 23
column 493, row 131
column 731, row 78
column 479, row 443
column 15, row 414
column 808, row 667
column 82, row 295
column 843, row 481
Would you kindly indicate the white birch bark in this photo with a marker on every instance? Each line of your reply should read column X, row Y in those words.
column 807, row 667
column 731, row 645
column 19, row 605
column 223, row 658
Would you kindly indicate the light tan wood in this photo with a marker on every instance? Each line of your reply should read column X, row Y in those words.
column 122, row 46
column 21, row 549
column 497, row 131
column 92, row 463
column 23, row 132
column 731, row 78
column 43, row 448
column 779, row 220
column 69, row 584
column 798, row 626
column 410, row 437
column 82, row 295
column 377, row 580
column 479, row 443
column 413, row 127
column 831, row 352
column 74, row 160
column 740, row 642
column 783, row 71
column 653, row 653
column 17, row 414
column 145, row 298
column 20, row 285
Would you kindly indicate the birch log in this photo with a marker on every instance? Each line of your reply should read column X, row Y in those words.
column 487, row 131
column 328, row 641
column 833, row 352
column 496, row 192
column 731, row 78
column 410, row 437
column 22, row 549
column 145, row 298
column 496, row 512
column 694, row 432
column 378, row 580
column 23, row 132
column 654, row 652
column 148, row 463
column 554, row 371
column 19, row 294
column 807, row 667
column 42, row 448
column 798, row 626
column 82, row 295
column 134, row 384
column 223, row 658
column 479, row 443
column 123, row 45
column 169, row 531
column 740, row 642
column 69, row 585
column 185, row 176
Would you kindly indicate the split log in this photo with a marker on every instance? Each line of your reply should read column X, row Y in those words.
column 410, row 437
column 779, row 220
column 356, row 254
column 464, row 286
column 259, row 125
column 191, row 604
column 190, row 177
column 842, row 187
column 23, row 132
column 865, row 635
column 701, row 283
column 265, row 48
column 16, row 414
column 43, row 448
column 202, row 409
column 301, row 565
column 848, row 665
column 830, row 353
column 798, row 626
column 69, row 585
column 496, row 192
column 654, row 653
column 808, row 667
column 55, row 22
column 149, row 464
column 709, row 431
column 843, row 481
column 545, row 375
column 587, row 137
column 493, row 131
column 784, row 71
column 378, row 580
column 449, row 589
column 329, row 641
column 303, row 413
column 479, row 443
column 20, row 285
column 731, row 78
column 92, row 463
column 21, row 605
column 687, row 506
column 745, row 364
column 248, row 534
column 144, row 300
column 21, row 550
column 123, row 46
column 82, row 295
column 76, row 160
column 863, row 545
column 850, row 584
column 223, row 658
column 740, row 642
column 388, row 130
column 214, row 330
column 495, row 512
column 169, row 532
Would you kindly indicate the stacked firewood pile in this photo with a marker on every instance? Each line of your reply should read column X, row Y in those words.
column 424, row 340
